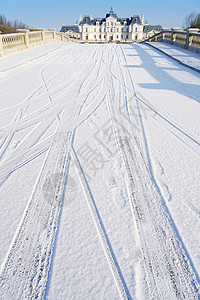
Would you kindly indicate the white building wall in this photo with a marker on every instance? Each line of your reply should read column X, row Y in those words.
column 111, row 30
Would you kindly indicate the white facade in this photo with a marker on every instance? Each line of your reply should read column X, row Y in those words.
column 111, row 28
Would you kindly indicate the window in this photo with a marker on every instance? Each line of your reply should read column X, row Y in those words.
column 122, row 36
column 111, row 24
column 86, row 29
column 104, row 36
column 117, row 29
column 117, row 36
column 95, row 36
column 94, row 29
column 100, row 36
column 135, row 29
column 127, row 36
column 122, row 29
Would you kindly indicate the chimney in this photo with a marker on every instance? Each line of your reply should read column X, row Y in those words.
column 80, row 17
column 142, row 18
column 90, row 17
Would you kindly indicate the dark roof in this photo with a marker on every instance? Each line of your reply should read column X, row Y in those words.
column 89, row 21
column 72, row 28
column 135, row 20
column 148, row 28
column 111, row 14
column 86, row 20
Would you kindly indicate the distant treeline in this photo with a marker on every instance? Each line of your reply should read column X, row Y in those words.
column 7, row 26
column 192, row 20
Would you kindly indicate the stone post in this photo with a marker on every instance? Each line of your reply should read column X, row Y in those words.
column 173, row 37
column 62, row 36
column 187, row 39
column 54, row 32
column 1, row 45
column 42, row 34
column 26, row 36
column 163, row 33
column 190, row 36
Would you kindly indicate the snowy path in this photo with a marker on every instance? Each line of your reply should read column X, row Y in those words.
column 105, row 136
column 185, row 57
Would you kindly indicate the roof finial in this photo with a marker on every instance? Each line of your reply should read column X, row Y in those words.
column 111, row 11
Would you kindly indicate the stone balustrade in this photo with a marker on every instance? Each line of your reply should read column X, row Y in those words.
column 189, row 39
column 11, row 43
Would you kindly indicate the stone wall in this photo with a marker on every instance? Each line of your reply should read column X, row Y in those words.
column 11, row 43
column 189, row 39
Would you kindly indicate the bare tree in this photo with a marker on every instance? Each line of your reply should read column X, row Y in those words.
column 192, row 20
column 14, row 25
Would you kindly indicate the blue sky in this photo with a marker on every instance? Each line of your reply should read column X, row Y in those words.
column 54, row 13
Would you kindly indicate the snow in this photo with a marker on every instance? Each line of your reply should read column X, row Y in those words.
column 184, row 56
column 99, row 173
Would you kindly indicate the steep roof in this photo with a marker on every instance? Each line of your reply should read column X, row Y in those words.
column 147, row 28
column 111, row 14
column 134, row 19
column 68, row 28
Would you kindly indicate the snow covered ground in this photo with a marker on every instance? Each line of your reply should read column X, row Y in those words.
column 185, row 57
column 99, row 174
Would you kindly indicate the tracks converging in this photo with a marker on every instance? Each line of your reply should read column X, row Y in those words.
column 168, row 269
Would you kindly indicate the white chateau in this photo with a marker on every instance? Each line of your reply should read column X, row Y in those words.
column 112, row 28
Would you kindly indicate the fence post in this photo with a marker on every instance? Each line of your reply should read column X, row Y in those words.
column 162, row 35
column 1, row 45
column 54, row 32
column 172, row 36
column 174, row 29
column 190, row 36
column 42, row 34
column 26, row 36
column 187, row 39
column 62, row 36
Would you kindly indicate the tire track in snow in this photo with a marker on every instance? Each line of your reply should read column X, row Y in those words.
column 109, row 253
column 169, row 270
column 24, row 272
column 25, row 269
column 107, row 248
column 19, row 122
